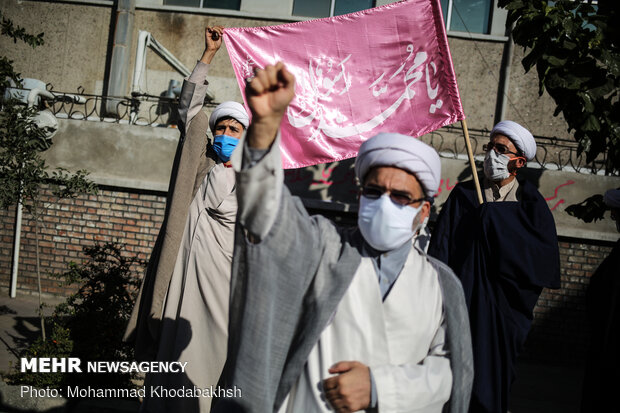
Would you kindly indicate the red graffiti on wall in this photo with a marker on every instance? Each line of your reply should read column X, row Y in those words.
column 555, row 194
column 447, row 186
column 326, row 179
column 326, row 176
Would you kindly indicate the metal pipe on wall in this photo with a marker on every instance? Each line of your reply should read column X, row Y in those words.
column 16, row 244
column 119, row 67
column 504, row 83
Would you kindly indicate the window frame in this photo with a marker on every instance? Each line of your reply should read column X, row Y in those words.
column 492, row 8
column 200, row 6
column 332, row 7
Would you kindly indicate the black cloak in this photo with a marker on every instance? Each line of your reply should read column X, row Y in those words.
column 504, row 254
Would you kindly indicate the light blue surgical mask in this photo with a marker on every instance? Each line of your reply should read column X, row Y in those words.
column 224, row 146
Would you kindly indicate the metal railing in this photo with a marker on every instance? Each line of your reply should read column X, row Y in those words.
column 553, row 153
column 140, row 109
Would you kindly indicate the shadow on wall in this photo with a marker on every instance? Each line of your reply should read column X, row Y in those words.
column 551, row 367
column 334, row 181
column 560, row 330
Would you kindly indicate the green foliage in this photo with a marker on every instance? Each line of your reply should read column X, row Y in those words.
column 574, row 48
column 19, row 33
column 23, row 172
column 98, row 312
column 67, row 185
column 7, row 28
column 90, row 323
column 59, row 345
column 591, row 209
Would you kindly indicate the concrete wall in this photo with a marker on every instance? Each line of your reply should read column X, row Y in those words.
column 116, row 155
column 284, row 7
column 136, row 157
column 74, row 53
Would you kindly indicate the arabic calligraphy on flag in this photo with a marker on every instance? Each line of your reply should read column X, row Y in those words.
column 385, row 69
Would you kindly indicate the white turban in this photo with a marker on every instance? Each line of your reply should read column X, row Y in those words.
column 233, row 109
column 521, row 137
column 403, row 152
column 612, row 198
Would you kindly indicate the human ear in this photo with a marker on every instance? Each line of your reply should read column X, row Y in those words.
column 425, row 211
column 520, row 162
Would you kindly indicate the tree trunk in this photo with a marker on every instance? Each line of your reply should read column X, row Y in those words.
column 36, row 238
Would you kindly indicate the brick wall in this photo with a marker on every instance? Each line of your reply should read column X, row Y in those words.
column 130, row 218
column 559, row 331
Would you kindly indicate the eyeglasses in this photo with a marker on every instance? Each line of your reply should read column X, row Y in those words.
column 398, row 197
column 499, row 148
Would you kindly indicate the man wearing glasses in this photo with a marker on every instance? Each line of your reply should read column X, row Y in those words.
column 328, row 318
column 505, row 252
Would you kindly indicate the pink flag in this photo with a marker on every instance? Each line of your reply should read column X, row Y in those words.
column 385, row 69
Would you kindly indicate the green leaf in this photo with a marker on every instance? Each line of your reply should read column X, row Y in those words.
column 587, row 101
column 554, row 60
column 591, row 124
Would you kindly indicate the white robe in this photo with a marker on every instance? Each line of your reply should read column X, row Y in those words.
column 401, row 339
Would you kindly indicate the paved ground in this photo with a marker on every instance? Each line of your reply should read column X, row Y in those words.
column 539, row 388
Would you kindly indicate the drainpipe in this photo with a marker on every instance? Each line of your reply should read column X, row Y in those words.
column 146, row 40
column 504, row 78
column 16, row 244
column 119, row 66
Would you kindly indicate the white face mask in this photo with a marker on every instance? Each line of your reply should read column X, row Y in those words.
column 384, row 224
column 496, row 166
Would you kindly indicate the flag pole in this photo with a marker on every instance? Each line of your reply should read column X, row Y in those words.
column 470, row 154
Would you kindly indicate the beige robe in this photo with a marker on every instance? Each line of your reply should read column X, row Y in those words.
column 191, row 163
column 195, row 320
column 182, row 311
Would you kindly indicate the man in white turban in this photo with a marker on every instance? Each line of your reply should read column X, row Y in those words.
column 601, row 381
column 505, row 252
column 182, row 311
column 340, row 318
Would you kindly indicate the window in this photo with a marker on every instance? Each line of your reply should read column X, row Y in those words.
column 473, row 16
column 214, row 4
column 326, row 8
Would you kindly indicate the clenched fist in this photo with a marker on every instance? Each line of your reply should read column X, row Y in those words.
column 268, row 95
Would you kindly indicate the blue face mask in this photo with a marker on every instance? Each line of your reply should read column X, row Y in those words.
column 224, row 146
